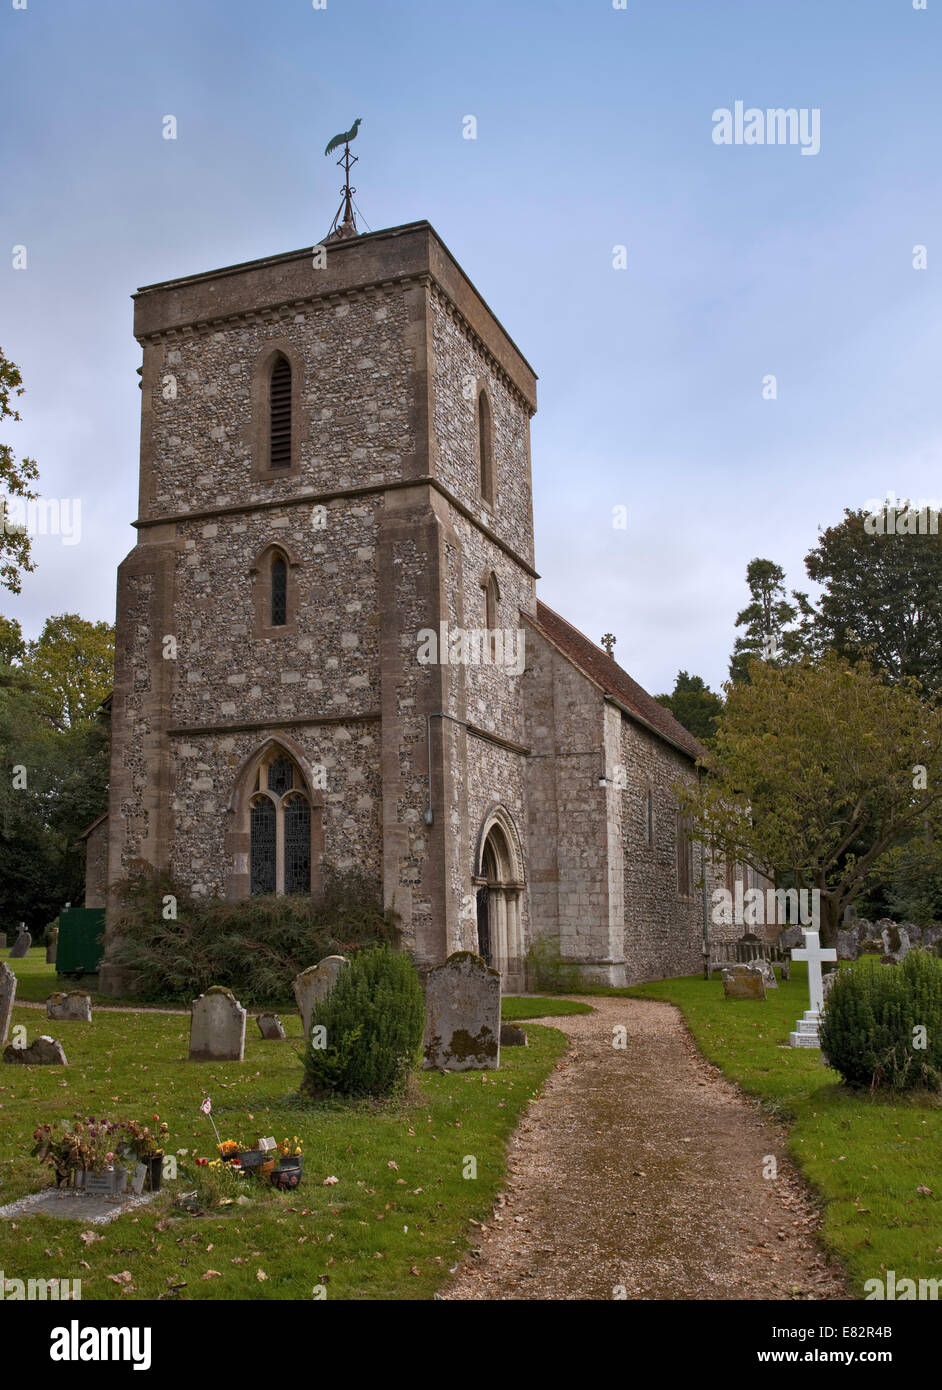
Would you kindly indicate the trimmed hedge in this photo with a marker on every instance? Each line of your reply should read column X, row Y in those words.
column 373, row 1021
column 255, row 946
column 872, row 1027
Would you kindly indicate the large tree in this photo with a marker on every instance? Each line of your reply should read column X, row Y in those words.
column 769, row 621
column 882, row 596
column 695, row 705
column 71, row 666
column 15, row 478
column 818, row 771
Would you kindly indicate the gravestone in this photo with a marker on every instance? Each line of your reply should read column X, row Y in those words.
column 791, row 936
column 52, row 945
column 73, row 1007
column 896, row 944
column 512, row 1036
column 314, row 985
column 462, row 1015
column 806, row 1029
column 764, row 968
column 44, row 1052
column 271, row 1027
column 847, row 945
column 826, row 983
column 931, row 935
column 217, row 1027
column 742, row 982
column 21, row 945
column 7, row 996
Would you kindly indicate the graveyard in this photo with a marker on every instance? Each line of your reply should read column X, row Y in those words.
column 383, row 1211
column 386, row 1209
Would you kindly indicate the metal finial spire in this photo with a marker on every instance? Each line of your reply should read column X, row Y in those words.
column 344, row 223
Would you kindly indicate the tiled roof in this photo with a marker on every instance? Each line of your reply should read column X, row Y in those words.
column 594, row 662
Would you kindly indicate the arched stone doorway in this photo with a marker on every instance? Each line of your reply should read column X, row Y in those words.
column 499, row 887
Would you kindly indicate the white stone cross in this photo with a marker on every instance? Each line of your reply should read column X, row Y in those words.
column 814, row 953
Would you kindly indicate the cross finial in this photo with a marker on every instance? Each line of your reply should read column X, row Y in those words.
column 608, row 642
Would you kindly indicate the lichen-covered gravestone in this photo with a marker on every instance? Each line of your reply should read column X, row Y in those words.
column 7, row 996
column 462, row 1015
column 73, row 1007
column 21, row 945
column 217, row 1027
column 739, row 982
column 43, row 1052
column 52, row 945
column 314, row 984
column 513, row 1036
column 271, row 1027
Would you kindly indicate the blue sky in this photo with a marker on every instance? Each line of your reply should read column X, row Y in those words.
column 594, row 130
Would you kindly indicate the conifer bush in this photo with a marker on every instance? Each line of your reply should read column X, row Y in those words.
column 373, row 1021
column 882, row 1024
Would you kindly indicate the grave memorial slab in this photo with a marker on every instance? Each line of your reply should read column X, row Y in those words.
column 462, row 1023
column 217, row 1027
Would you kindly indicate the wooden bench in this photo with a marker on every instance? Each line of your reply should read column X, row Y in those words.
column 742, row 952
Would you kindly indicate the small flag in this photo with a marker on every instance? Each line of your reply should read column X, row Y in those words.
column 207, row 1106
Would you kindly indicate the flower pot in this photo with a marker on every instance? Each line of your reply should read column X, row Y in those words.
column 155, row 1169
column 288, row 1173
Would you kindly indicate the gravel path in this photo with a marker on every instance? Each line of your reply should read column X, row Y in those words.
column 639, row 1174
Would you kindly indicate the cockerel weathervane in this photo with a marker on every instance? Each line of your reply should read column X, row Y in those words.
column 344, row 223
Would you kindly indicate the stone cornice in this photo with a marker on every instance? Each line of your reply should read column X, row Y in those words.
column 292, row 722
column 308, row 499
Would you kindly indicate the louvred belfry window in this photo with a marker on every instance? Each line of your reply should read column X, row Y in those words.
column 280, row 414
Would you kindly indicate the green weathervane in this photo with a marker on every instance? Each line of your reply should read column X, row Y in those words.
column 344, row 223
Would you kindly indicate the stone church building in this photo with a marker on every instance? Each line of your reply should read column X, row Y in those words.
column 330, row 649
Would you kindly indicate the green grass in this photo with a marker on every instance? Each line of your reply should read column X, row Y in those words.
column 350, row 1235
column 514, row 1007
column 865, row 1154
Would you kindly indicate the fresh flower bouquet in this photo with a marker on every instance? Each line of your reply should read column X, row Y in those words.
column 88, row 1147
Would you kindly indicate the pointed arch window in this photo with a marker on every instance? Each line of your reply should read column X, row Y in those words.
column 279, row 828
column 279, row 413
column 485, row 448
column 279, row 590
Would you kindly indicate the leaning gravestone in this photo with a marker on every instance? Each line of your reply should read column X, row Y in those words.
column 462, row 1015
column 314, row 984
column 741, row 982
column 271, row 1027
column 847, row 945
column 73, row 1007
column 44, row 1052
column 765, row 969
column 52, row 945
column 21, row 945
column 217, row 1027
column 7, row 996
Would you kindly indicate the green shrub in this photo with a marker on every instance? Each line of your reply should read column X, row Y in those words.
column 869, row 1026
column 255, row 946
column 373, row 1018
column 547, row 968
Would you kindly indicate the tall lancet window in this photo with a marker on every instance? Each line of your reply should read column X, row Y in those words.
column 485, row 448
column 279, row 591
column 280, row 828
column 279, row 407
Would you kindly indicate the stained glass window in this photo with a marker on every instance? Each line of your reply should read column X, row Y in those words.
column 279, row 592
column 263, row 846
column 281, row 776
column 297, row 815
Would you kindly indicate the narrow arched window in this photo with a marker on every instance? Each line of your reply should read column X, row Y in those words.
column 491, row 597
column 263, row 840
column 279, row 591
column 279, row 414
column 485, row 449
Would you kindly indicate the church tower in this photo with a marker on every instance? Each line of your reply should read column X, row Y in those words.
column 335, row 461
